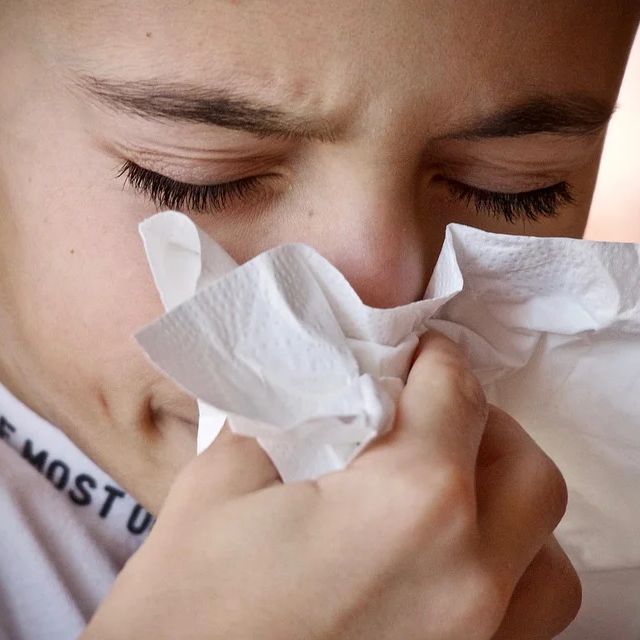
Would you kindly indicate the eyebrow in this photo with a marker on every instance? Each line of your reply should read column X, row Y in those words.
column 192, row 104
column 574, row 115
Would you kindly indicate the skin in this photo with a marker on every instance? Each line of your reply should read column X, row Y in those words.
column 384, row 90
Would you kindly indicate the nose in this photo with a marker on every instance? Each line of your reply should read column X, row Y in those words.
column 370, row 224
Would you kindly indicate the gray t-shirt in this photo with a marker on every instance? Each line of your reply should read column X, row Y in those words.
column 66, row 529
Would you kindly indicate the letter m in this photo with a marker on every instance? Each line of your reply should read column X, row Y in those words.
column 38, row 460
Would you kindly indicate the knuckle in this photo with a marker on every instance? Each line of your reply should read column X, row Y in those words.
column 572, row 591
column 486, row 600
column 566, row 588
column 571, row 600
column 552, row 488
column 463, row 385
column 455, row 492
column 440, row 502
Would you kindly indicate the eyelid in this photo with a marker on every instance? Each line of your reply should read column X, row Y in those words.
column 501, row 183
column 529, row 205
column 202, row 173
column 168, row 193
column 199, row 165
column 130, row 167
column 547, row 156
column 237, row 176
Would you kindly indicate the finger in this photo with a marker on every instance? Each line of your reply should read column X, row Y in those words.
column 521, row 493
column 442, row 411
column 231, row 466
column 546, row 599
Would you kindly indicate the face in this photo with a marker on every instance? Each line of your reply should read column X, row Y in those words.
column 361, row 128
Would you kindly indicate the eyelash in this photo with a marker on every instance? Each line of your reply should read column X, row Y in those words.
column 514, row 207
column 167, row 193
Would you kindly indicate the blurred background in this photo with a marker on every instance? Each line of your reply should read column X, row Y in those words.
column 615, row 213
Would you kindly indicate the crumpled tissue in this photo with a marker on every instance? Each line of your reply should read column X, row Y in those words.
column 283, row 349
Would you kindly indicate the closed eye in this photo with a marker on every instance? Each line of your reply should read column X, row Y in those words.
column 514, row 207
column 167, row 193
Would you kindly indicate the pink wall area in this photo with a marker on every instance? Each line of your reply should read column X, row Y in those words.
column 615, row 213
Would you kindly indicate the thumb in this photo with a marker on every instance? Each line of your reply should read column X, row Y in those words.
column 232, row 466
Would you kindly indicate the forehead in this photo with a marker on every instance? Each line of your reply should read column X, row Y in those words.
column 341, row 54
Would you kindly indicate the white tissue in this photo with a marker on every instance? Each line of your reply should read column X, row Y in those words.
column 284, row 347
column 281, row 347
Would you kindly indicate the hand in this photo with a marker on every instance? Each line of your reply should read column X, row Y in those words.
column 440, row 530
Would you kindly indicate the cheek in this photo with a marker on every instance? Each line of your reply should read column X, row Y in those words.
column 74, row 287
column 84, row 288
column 74, row 279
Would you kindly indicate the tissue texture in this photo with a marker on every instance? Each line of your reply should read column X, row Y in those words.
column 283, row 348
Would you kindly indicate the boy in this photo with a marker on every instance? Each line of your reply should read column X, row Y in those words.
column 362, row 129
